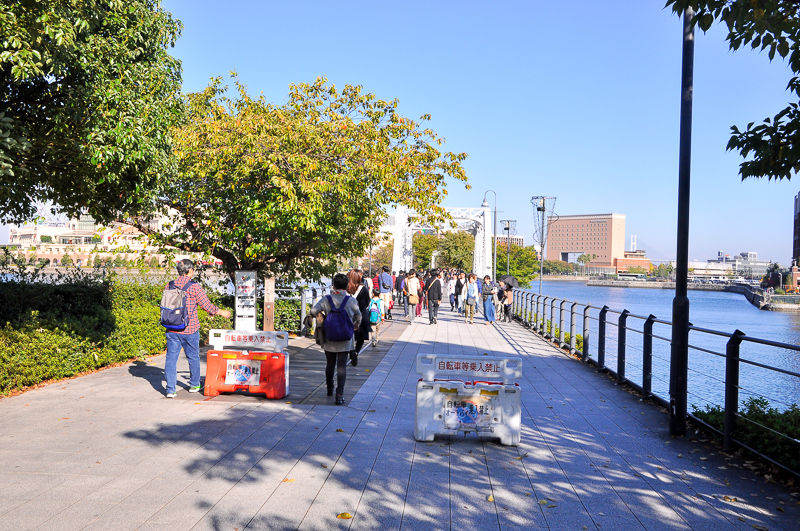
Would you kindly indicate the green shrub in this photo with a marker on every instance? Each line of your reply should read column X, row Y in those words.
column 784, row 450
column 56, row 326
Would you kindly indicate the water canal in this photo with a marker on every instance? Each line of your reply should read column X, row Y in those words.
column 725, row 312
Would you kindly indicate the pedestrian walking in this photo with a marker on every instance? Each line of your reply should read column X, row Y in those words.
column 488, row 296
column 469, row 293
column 187, row 339
column 385, row 284
column 421, row 294
column 336, row 351
column 451, row 291
column 460, row 283
column 375, row 312
column 434, row 292
column 412, row 286
column 355, row 288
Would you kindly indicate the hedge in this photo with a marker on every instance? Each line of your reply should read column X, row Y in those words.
column 57, row 326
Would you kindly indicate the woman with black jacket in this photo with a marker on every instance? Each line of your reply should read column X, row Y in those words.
column 355, row 287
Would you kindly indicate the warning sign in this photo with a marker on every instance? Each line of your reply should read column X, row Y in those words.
column 243, row 372
column 467, row 412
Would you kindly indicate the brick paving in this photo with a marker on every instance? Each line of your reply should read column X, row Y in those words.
column 108, row 451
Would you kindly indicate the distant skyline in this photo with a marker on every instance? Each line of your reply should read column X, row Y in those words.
column 578, row 100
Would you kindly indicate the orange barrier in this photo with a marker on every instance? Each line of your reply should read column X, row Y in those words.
column 255, row 372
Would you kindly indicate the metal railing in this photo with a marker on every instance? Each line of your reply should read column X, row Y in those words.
column 295, row 315
column 716, row 358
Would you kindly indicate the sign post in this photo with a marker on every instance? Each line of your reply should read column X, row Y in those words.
column 269, row 304
column 245, row 300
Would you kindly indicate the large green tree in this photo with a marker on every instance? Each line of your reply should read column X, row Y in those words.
column 287, row 190
column 423, row 247
column 88, row 95
column 456, row 250
column 772, row 148
column 523, row 263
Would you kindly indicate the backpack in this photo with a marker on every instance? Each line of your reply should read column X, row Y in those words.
column 374, row 312
column 384, row 284
column 338, row 325
column 174, row 307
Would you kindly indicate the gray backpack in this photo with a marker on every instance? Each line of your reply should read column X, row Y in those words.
column 174, row 312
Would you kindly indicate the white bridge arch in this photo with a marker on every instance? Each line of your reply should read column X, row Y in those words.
column 472, row 220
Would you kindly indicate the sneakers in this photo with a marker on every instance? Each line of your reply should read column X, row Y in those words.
column 173, row 394
column 195, row 389
column 353, row 358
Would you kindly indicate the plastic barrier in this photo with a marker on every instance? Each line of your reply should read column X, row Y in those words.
column 468, row 397
column 255, row 372
column 254, row 361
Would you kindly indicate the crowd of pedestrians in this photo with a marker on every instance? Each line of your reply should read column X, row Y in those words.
column 370, row 302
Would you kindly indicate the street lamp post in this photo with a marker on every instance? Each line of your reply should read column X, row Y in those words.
column 510, row 225
column 485, row 204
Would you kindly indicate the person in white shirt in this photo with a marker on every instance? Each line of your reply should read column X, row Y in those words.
column 451, row 289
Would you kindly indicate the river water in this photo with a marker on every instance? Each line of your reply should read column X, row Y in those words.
column 721, row 311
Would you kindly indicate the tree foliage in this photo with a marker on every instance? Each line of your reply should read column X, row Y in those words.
column 523, row 263
column 288, row 189
column 456, row 250
column 88, row 94
column 772, row 148
column 423, row 247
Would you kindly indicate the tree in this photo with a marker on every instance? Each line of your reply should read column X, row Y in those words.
column 523, row 263
column 423, row 246
column 456, row 250
column 47, row 239
column 88, row 94
column 554, row 267
column 382, row 256
column 66, row 260
column 637, row 270
column 772, row 147
column 286, row 190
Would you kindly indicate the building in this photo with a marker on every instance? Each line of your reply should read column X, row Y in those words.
column 81, row 238
column 517, row 239
column 632, row 259
column 743, row 264
column 599, row 235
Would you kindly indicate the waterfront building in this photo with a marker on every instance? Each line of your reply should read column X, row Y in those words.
column 601, row 235
column 81, row 238
column 632, row 259
column 744, row 264
column 517, row 239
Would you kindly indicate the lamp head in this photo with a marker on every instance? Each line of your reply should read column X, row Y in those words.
column 485, row 203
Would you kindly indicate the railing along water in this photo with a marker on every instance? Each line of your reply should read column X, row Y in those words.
column 717, row 375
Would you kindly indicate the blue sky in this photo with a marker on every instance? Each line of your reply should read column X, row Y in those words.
column 578, row 100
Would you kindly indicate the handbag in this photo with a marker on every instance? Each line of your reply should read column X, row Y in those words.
column 319, row 330
column 470, row 300
column 413, row 299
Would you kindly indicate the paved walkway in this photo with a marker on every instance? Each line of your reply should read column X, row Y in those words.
column 108, row 451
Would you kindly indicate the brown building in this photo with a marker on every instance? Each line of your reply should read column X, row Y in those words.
column 602, row 235
column 632, row 259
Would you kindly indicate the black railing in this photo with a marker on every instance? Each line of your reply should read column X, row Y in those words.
column 715, row 378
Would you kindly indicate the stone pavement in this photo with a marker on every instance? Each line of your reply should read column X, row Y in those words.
column 108, row 451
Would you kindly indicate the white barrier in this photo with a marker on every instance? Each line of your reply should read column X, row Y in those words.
column 463, row 394
column 259, row 340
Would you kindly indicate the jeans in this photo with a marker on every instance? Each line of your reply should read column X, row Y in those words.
column 433, row 310
column 452, row 301
column 191, row 347
column 405, row 305
column 413, row 313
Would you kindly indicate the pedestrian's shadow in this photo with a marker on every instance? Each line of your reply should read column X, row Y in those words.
column 153, row 374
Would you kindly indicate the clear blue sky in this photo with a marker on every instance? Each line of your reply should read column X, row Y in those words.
column 578, row 100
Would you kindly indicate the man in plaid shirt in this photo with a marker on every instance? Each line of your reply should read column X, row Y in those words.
column 189, row 337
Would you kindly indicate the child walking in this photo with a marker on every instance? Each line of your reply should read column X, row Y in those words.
column 376, row 315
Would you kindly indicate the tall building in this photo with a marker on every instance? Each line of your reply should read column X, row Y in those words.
column 602, row 235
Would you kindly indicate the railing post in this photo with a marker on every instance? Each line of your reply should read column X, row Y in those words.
column 572, row 325
column 514, row 302
column 553, row 318
column 621, row 337
column 537, row 315
column 647, row 357
column 528, row 317
column 731, row 388
column 585, row 349
column 561, row 324
column 302, row 311
column 601, row 339
column 543, row 328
